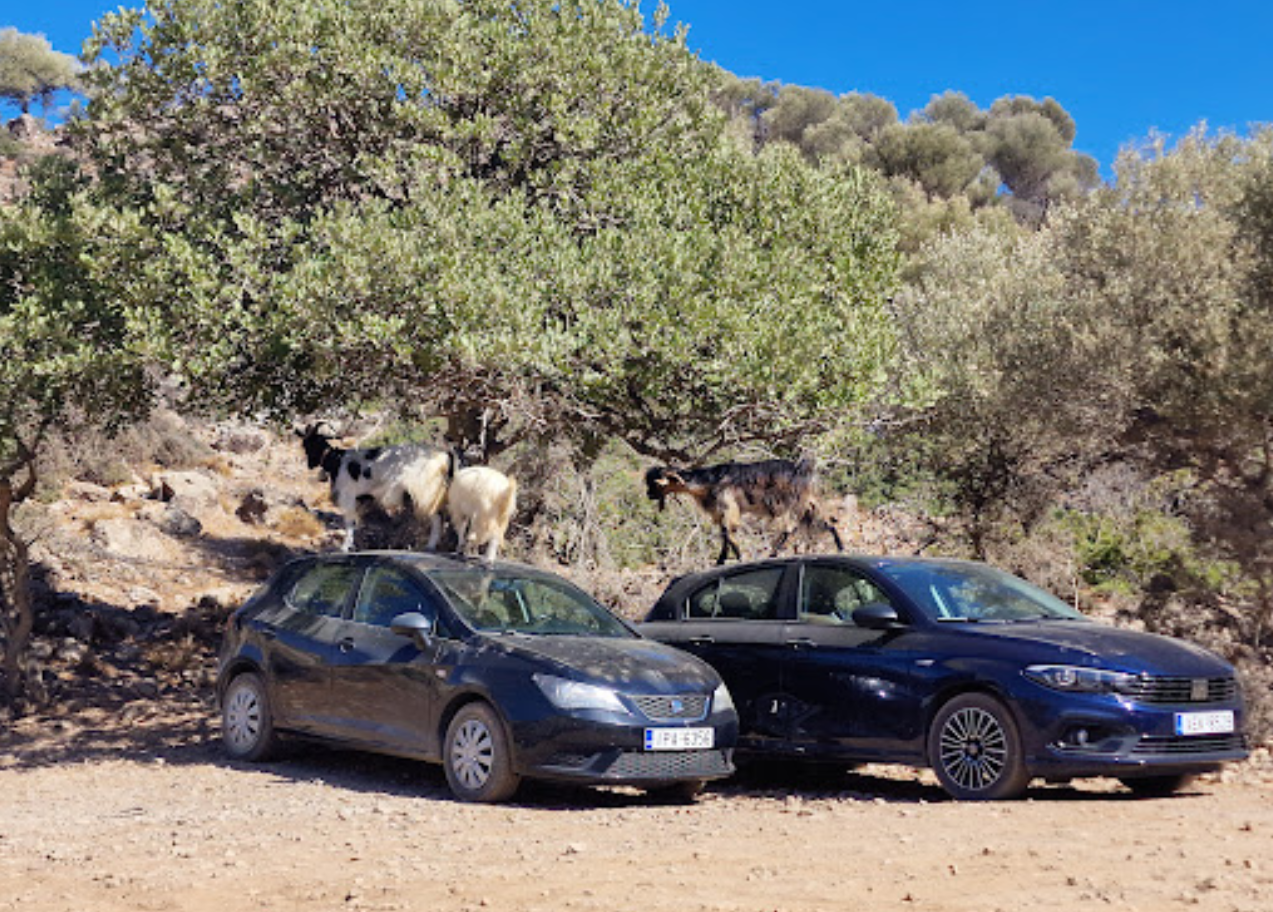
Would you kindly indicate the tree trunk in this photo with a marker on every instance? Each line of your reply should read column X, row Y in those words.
column 17, row 613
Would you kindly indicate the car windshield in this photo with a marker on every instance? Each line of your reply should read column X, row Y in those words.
column 507, row 603
column 972, row 592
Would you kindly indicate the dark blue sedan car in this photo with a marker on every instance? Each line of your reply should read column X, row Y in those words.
column 496, row 671
column 952, row 665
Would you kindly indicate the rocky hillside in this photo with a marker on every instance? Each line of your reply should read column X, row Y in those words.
column 135, row 576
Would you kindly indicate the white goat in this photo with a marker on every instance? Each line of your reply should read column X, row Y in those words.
column 390, row 475
column 481, row 502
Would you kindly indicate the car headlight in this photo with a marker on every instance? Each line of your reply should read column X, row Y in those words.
column 721, row 699
column 1076, row 679
column 566, row 694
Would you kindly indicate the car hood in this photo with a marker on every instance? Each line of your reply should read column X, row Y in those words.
column 635, row 665
column 1091, row 643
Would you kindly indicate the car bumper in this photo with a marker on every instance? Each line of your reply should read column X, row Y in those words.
column 1122, row 739
column 614, row 753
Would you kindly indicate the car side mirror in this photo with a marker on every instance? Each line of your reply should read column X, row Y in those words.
column 877, row 616
column 413, row 625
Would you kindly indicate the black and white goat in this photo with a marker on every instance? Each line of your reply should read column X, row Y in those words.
column 481, row 501
column 776, row 489
column 391, row 475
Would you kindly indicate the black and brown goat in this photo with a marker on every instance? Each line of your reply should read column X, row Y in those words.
column 776, row 489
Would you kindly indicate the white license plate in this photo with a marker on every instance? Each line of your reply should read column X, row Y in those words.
column 678, row 739
column 1205, row 723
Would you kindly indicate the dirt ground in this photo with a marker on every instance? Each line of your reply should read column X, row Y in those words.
column 137, row 809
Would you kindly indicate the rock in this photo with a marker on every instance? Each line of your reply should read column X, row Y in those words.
column 195, row 487
column 239, row 440
column 129, row 538
column 88, row 492
column 253, row 507
column 178, row 523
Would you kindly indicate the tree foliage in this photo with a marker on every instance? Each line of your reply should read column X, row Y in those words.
column 459, row 207
column 953, row 151
column 30, row 70
column 67, row 355
column 1132, row 329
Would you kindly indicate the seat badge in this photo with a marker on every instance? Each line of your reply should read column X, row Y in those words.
column 1199, row 690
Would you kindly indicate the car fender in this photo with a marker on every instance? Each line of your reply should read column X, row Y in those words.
column 967, row 675
column 249, row 658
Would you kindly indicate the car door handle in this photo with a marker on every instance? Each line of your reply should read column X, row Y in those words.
column 702, row 640
column 346, row 645
column 801, row 643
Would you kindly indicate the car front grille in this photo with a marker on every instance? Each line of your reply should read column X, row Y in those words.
column 660, row 708
column 1183, row 690
column 670, row 765
column 1177, row 745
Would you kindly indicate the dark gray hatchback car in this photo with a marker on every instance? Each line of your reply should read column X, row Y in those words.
column 495, row 671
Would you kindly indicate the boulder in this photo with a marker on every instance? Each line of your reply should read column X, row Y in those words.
column 190, row 487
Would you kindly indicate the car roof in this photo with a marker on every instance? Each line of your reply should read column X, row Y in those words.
column 678, row 586
column 427, row 561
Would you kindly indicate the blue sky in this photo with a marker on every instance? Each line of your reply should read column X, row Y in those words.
column 1122, row 68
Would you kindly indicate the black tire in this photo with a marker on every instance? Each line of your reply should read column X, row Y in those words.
column 1157, row 786
column 477, row 757
column 247, row 722
column 975, row 750
column 684, row 792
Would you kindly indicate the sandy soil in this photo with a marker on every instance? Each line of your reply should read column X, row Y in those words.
column 139, row 810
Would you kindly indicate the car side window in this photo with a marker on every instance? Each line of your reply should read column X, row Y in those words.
column 830, row 595
column 323, row 590
column 750, row 596
column 387, row 593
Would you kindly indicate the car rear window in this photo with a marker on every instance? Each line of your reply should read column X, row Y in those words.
column 324, row 589
column 510, row 603
column 750, row 596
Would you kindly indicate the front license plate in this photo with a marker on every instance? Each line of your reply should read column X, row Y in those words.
column 679, row 739
column 1205, row 723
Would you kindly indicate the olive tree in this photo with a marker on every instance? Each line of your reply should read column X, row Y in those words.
column 528, row 213
column 31, row 70
column 69, row 354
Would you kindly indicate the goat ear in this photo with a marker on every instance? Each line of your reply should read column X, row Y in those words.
column 672, row 478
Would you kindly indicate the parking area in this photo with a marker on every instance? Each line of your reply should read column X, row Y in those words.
column 142, row 812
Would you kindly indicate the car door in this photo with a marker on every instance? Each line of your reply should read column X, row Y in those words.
column 299, row 643
column 735, row 624
column 850, row 691
column 385, row 686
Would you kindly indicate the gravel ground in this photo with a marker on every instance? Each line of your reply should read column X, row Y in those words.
column 139, row 810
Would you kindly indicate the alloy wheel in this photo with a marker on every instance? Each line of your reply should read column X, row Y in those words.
column 974, row 749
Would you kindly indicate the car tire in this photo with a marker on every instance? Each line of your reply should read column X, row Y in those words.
column 1157, row 786
column 684, row 792
column 477, row 757
column 975, row 750
column 247, row 722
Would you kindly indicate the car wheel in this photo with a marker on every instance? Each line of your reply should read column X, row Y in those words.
column 975, row 750
column 1156, row 786
column 477, row 758
column 677, row 792
column 247, row 724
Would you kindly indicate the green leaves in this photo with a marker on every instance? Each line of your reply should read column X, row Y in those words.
column 445, row 206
